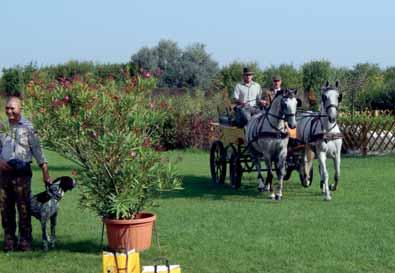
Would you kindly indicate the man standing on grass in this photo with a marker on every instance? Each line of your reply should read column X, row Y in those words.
column 18, row 144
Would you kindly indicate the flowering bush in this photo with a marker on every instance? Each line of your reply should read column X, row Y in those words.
column 111, row 133
column 188, row 120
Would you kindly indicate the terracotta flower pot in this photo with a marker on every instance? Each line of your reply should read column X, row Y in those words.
column 124, row 235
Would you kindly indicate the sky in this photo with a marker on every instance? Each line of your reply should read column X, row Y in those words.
column 344, row 32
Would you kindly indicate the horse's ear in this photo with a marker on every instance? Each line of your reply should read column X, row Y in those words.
column 327, row 84
column 299, row 104
column 340, row 97
column 337, row 84
column 295, row 91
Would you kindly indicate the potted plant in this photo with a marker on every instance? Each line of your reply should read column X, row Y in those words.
column 110, row 131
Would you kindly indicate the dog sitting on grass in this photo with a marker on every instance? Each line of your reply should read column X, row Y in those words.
column 44, row 206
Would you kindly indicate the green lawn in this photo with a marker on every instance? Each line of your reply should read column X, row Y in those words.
column 211, row 229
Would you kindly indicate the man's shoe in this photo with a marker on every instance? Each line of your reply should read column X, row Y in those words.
column 8, row 245
column 24, row 246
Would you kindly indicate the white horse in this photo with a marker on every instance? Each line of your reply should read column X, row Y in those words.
column 267, row 138
column 322, row 136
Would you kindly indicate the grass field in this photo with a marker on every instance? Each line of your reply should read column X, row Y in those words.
column 211, row 229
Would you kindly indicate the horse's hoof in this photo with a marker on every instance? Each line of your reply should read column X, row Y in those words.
column 261, row 189
column 272, row 196
column 332, row 187
column 278, row 197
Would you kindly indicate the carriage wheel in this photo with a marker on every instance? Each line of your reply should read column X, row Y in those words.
column 235, row 171
column 217, row 162
column 303, row 182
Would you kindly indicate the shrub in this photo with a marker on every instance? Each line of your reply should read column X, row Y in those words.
column 188, row 119
column 111, row 134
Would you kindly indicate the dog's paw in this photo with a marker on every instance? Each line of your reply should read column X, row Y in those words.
column 52, row 244
column 45, row 247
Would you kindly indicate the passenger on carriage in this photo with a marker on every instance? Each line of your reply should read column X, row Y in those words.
column 247, row 97
column 269, row 94
column 267, row 98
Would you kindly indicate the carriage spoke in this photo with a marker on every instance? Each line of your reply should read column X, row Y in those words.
column 217, row 162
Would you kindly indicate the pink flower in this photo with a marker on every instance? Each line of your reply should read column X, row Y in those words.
column 147, row 142
column 133, row 154
column 57, row 103
column 146, row 74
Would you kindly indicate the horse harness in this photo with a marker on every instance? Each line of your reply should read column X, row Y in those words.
column 278, row 134
column 324, row 136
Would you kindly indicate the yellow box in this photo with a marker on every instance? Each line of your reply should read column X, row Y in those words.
column 115, row 262
column 162, row 269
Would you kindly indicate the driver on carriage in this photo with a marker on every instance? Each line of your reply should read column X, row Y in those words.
column 247, row 97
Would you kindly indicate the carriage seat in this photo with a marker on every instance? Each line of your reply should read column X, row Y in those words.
column 227, row 120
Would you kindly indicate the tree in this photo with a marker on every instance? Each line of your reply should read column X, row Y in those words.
column 389, row 77
column 315, row 74
column 145, row 58
column 169, row 59
column 11, row 82
column 290, row 76
column 380, row 93
column 198, row 69
column 365, row 78
column 192, row 67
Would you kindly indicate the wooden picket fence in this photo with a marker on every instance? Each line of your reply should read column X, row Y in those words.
column 373, row 134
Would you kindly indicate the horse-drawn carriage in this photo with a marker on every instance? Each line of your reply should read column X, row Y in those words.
column 230, row 150
column 266, row 137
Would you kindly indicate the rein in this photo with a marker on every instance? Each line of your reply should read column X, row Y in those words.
column 279, row 133
column 326, row 135
column 276, row 135
column 331, row 106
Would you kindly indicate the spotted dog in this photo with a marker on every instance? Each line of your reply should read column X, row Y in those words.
column 44, row 206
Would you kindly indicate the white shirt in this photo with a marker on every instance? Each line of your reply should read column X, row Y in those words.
column 247, row 94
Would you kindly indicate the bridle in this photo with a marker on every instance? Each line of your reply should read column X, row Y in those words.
column 316, row 121
column 331, row 105
column 282, row 116
column 277, row 133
